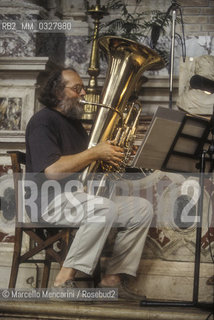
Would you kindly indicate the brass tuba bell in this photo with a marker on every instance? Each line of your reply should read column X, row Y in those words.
column 127, row 60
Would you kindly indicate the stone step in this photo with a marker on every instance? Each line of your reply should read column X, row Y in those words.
column 123, row 310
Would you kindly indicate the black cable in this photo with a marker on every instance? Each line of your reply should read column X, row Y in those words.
column 178, row 36
column 183, row 35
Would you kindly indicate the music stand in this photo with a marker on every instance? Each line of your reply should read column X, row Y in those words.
column 175, row 142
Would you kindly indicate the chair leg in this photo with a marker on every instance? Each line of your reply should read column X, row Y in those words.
column 46, row 271
column 16, row 257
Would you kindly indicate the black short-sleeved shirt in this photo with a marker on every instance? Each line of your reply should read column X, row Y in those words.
column 50, row 135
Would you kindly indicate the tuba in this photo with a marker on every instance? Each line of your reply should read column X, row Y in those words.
column 127, row 60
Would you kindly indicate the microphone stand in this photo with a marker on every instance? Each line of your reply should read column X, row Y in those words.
column 211, row 148
column 155, row 36
column 174, row 7
column 195, row 299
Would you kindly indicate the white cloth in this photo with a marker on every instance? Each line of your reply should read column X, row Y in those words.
column 195, row 101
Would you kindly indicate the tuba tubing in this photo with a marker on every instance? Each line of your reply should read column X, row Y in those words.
column 127, row 60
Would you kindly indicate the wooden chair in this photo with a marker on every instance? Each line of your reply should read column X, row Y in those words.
column 40, row 238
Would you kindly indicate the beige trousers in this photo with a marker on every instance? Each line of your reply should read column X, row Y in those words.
column 95, row 216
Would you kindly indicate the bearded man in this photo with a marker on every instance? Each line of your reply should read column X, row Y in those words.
column 56, row 150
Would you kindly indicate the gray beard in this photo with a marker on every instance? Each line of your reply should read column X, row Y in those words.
column 71, row 108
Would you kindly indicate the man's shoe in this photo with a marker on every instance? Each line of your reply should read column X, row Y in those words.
column 67, row 284
column 124, row 292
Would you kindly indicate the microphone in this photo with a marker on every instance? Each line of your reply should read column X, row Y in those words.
column 202, row 83
column 155, row 34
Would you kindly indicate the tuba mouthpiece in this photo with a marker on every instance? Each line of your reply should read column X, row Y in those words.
column 82, row 101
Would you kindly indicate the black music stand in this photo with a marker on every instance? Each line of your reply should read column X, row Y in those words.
column 186, row 137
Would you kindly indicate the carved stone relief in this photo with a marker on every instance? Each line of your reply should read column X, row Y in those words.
column 7, row 210
column 11, row 111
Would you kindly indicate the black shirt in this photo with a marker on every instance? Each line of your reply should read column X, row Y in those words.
column 49, row 135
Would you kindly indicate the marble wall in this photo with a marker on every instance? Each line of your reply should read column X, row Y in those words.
column 14, row 42
column 18, row 86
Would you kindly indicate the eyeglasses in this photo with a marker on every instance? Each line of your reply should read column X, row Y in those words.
column 77, row 88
